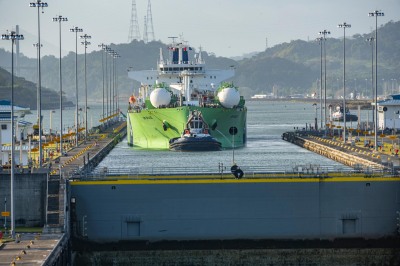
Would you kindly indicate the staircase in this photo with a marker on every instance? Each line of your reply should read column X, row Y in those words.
column 55, row 205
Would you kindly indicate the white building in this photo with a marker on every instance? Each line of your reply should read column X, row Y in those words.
column 22, row 130
column 389, row 113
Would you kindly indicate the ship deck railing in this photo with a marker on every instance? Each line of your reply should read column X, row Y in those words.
column 304, row 171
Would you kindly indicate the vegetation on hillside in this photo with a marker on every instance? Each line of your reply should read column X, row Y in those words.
column 25, row 92
column 290, row 68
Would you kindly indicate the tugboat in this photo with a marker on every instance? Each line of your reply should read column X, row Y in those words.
column 195, row 137
column 338, row 115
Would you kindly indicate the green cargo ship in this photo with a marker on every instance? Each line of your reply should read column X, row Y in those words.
column 179, row 86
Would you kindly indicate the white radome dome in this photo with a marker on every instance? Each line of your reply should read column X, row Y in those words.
column 159, row 97
column 229, row 97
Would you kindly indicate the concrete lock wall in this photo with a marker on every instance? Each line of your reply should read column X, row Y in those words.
column 310, row 256
column 299, row 209
column 29, row 198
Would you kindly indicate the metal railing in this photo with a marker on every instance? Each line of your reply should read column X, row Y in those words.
column 220, row 170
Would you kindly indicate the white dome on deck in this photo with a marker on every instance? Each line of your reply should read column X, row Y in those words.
column 229, row 97
column 159, row 97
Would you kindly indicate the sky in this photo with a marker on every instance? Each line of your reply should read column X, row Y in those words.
column 224, row 27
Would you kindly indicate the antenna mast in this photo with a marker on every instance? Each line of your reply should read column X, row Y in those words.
column 149, row 23
column 134, row 33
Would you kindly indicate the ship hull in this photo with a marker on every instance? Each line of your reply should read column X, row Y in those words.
column 349, row 118
column 154, row 128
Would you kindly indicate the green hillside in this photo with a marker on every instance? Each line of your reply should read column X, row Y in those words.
column 358, row 62
column 288, row 67
column 25, row 93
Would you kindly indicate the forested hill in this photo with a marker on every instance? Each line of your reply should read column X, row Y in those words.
column 25, row 93
column 290, row 68
column 295, row 67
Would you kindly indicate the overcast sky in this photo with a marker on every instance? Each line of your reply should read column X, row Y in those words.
column 224, row 27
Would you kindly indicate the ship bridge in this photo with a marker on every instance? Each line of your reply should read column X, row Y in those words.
column 181, row 73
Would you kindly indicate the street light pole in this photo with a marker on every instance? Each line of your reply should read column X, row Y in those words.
column 110, row 52
column 76, row 30
column 376, row 14
column 115, row 90
column 116, row 84
column 320, row 85
column 371, row 42
column 60, row 19
column 13, row 37
column 344, row 26
column 324, row 33
column 102, row 46
column 113, row 82
column 85, row 43
column 105, row 49
column 39, row 4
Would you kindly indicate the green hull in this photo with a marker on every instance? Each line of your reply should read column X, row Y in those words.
column 153, row 128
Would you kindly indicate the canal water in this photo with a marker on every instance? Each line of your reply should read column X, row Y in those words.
column 266, row 122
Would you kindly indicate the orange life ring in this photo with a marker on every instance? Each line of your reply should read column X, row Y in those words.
column 187, row 131
column 132, row 99
column 205, row 131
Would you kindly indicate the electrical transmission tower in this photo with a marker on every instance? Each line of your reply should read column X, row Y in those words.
column 149, row 24
column 134, row 33
column 145, row 36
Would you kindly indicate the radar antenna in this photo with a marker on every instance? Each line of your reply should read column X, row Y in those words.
column 173, row 39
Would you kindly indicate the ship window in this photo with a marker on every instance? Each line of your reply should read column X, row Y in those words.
column 3, row 127
column 196, row 68
column 215, row 77
column 161, row 68
column 200, row 68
